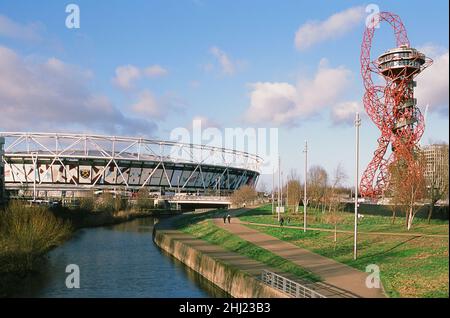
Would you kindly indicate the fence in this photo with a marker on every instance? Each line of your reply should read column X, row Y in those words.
column 288, row 286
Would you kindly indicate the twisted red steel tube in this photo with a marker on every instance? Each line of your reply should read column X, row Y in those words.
column 384, row 105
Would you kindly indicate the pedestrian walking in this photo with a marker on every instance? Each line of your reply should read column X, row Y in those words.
column 229, row 218
column 281, row 221
column 224, row 219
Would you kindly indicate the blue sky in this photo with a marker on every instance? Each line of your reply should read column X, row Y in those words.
column 204, row 59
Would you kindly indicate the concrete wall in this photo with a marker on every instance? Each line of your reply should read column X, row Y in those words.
column 235, row 282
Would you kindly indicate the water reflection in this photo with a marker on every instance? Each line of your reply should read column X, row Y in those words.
column 117, row 261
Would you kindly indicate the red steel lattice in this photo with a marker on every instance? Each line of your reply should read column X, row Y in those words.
column 391, row 106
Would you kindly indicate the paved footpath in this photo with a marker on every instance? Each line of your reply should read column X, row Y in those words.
column 332, row 273
column 250, row 266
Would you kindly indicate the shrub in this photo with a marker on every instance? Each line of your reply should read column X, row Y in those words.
column 27, row 232
column 87, row 203
column 143, row 200
column 105, row 203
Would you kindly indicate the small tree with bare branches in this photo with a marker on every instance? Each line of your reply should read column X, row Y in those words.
column 407, row 185
column 317, row 185
column 243, row 196
column 335, row 206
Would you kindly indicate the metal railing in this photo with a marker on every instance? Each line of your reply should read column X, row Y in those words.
column 288, row 286
column 195, row 198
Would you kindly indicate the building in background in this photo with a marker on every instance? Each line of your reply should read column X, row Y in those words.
column 436, row 168
column 2, row 170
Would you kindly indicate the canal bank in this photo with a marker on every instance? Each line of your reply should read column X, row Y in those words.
column 115, row 261
column 235, row 274
column 29, row 236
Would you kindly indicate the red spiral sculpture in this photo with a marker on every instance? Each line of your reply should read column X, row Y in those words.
column 391, row 105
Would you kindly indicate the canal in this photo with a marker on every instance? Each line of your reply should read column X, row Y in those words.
column 116, row 261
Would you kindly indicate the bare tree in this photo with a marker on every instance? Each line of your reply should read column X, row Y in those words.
column 294, row 194
column 244, row 195
column 317, row 184
column 335, row 206
column 407, row 185
column 293, row 190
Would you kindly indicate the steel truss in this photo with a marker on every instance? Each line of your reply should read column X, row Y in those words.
column 94, row 161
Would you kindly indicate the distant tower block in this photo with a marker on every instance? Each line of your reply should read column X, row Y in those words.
column 392, row 106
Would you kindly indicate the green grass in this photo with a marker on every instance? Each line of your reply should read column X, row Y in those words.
column 370, row 223
column 409, row 266
column 201, row 227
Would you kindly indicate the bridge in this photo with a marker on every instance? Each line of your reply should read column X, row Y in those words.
column 192, row 201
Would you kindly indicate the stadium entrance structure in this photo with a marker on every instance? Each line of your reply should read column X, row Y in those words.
column 66, row 164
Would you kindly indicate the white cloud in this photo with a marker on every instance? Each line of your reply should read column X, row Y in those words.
column 272, row 102
column 147, row 105
column 344, row 113
column 227, row 66
column 155, row 71
column 15, row 30
column 126, row 75
column 282, row 103
column 338, row 24
column 155, row 107
column 433, row 82
column 53, row 96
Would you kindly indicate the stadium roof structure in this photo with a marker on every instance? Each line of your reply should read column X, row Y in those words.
column 85, row 161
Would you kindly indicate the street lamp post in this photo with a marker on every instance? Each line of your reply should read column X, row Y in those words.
column 279, row 188
column 304, row 194
column 357, row 124
column 273, row 188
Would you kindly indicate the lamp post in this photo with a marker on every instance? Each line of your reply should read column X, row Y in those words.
column 279, row 188
column 273, row 188
column 306, row 178
column 357, row 124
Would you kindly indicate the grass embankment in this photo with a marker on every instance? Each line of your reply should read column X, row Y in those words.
column 202, row 227
column 409, row 266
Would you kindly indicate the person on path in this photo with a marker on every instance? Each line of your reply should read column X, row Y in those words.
column 224, row 219
column 229, row 218
column 281, row 221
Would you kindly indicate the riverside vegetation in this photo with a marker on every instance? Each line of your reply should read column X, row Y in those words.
column 27, row 232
